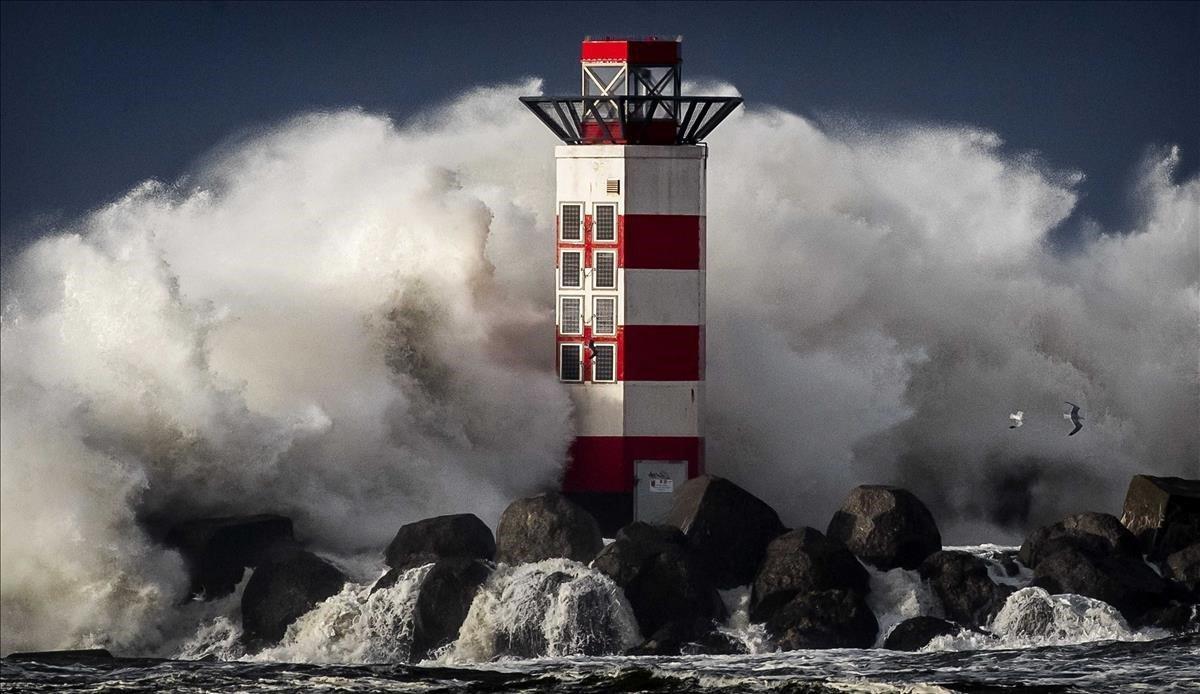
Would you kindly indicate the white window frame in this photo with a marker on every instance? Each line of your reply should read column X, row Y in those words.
column 579, row 347
column 596, row 222
column 562, row 222
column 562, row 314
column 596, row 269
column 596, row 312
column 596, row 362
column 562, row 269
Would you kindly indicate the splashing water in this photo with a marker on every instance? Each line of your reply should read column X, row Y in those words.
column 344, row 320
column 897, row 595
column 738, row 627
column 551, row 608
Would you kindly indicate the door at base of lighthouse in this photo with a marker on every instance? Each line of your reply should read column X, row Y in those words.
column 657, row 482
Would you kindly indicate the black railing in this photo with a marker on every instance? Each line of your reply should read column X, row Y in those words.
column 680, row 120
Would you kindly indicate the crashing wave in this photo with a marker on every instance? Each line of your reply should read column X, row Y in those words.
column 552, row 608
column 1032, row 617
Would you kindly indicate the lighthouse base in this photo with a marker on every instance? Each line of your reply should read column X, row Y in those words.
column 612, row 510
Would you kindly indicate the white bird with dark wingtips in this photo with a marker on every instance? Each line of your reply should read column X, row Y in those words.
column 1075, row 417
column 1018, row 418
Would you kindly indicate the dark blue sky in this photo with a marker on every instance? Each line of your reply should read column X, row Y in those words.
column 96, row 97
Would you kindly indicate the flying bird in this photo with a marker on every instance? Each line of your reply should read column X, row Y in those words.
column 1018, row 418
column 1075, row 417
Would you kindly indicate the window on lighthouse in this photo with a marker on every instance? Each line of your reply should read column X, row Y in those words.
column 606, row 270
column 606, row 223
column 605, row 316
column 570, row 362
column 604, row 363
column 572, row 222
column 572, row 316
column 571, row 262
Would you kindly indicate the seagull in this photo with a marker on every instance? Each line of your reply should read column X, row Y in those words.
column 1075, row 417
column 1017, row 419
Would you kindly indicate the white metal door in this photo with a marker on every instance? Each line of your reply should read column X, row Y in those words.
column 657, row 483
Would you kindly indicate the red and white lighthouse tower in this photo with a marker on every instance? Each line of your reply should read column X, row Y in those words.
column 630, row 238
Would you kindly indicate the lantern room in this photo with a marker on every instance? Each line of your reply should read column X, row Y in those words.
column 630, row 95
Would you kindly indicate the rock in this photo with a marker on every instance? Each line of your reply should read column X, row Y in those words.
column 886, row 527
column 218, row 550
column 803, row 561
column 444, row 599
column 283, row 589
column 915, row 633
column 662, row 582
column 727, row 528
column 1184, row 567
column 1129, row 585
column 1095, row 532
column 683, row 638
column 961, row 582
column 1176, row 616
column 66, row 657
column 444, row 537
column 545, row 527
column 835, row 618
column 1163, row 513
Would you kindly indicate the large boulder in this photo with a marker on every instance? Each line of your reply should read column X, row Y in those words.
column 803, row 561
column 681, row 638
column 1163, row 513
column 283, row 589
column 545, row 527
column 886, row 527
column 915, row 633
column 218, row 550
column 662, row 582
column 961, row 582
column 443, row 601
column 1184, row 567
column 1127, row 584
column 835, row 618
column 1094, row 532
column 444, row 537
column 727, row 528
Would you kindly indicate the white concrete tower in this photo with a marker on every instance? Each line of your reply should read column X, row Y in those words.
column 630, row 275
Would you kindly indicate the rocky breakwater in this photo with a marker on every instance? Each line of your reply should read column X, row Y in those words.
column 546, row 584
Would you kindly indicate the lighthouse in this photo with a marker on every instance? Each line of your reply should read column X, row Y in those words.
column 630, row 274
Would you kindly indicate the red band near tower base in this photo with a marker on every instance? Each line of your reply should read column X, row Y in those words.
column 605, row 463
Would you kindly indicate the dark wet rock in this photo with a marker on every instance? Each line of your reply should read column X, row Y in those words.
column 1176, row 616
column 663, row 583
column 886, row 527
column 915, row 633
column 687, row 638
column 824, row 619
column 1163, row 513
column 545, row 527
column 802, row 561
column 1093, row 532
column 1184, row 567
column 218, row 550
column 961, row 582
column 283, row 589
column 727, row 528
column 443, row 601
column 66, row 657
column 461, row 536
column 1127, row 584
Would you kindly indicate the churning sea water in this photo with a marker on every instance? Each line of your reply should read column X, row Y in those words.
column 547, row 627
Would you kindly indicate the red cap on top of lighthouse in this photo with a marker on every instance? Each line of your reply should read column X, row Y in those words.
column 630, row 239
